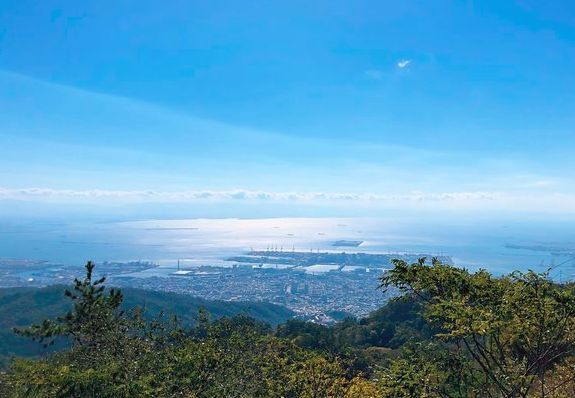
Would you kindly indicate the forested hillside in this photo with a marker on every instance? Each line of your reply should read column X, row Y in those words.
column 21, row 307
column 451, row 333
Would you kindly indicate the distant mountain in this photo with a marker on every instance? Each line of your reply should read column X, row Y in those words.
column 23, row 306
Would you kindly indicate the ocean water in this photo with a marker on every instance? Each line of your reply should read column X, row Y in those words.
column 495, row 245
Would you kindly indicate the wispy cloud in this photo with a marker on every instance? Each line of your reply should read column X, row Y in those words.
column 506, row 202
column 232, row 195
column 403, row 63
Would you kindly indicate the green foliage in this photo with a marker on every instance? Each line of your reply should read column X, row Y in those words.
column 115, row 354
column 95, row 318
column 363, row 344
column 426, row 369
column 245, row 364
column 234, row 359
column 451, row 334
column 20, row 307
column 5, row 384
column 391, row 326
column 411, row 377
column 514, row 330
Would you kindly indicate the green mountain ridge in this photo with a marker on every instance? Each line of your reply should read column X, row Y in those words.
column 23, row 306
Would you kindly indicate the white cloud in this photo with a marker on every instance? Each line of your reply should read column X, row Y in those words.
column 231, row 195
column 403, row 63
column 509, row 202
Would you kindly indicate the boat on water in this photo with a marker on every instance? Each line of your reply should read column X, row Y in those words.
column 347, row 243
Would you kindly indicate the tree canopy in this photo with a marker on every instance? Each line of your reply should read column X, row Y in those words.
column 510, row 336
column 449, row 333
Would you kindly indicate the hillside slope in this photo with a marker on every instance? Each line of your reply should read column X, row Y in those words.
column 23, row 306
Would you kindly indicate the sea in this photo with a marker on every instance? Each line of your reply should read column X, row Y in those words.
column 498, row 246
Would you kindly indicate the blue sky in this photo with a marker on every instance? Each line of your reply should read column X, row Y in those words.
column 343, row 105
